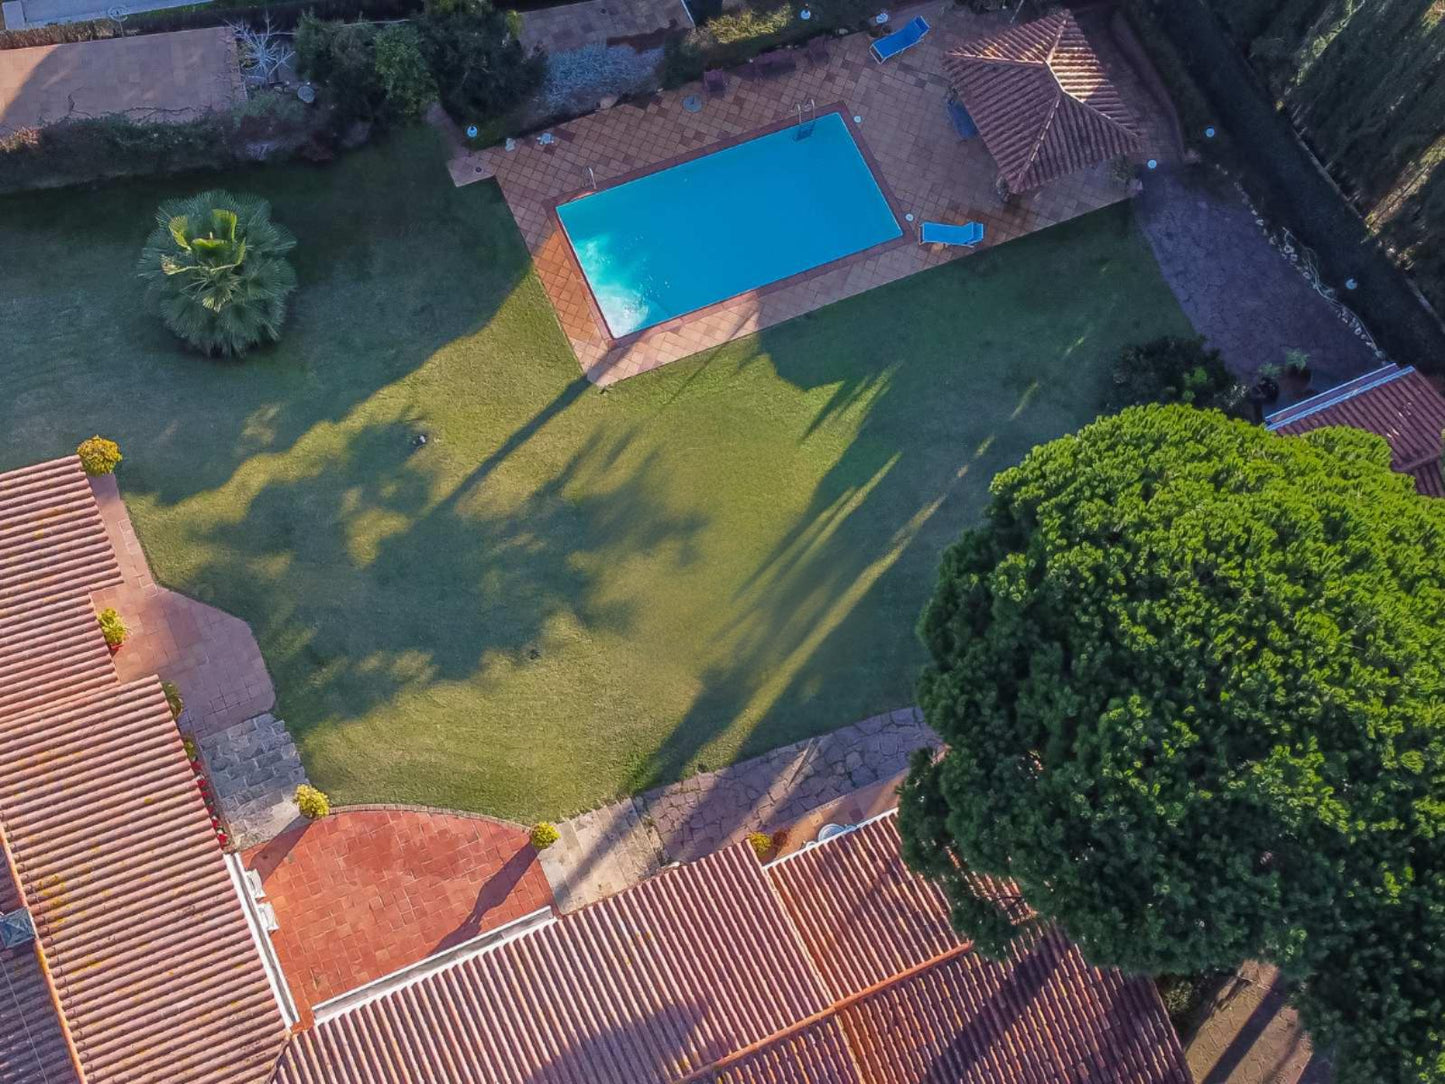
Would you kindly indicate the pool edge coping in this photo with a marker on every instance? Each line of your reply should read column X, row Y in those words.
column 676, row 323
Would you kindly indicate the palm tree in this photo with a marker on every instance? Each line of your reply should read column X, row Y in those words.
column 216, row 271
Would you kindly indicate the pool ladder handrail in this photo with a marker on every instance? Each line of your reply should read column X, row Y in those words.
column 810, row 106
column 592, row 177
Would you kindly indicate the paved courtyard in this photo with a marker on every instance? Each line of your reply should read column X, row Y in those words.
column 151, row 77
column 904, row 128
column 366, row 891
column 209, row 655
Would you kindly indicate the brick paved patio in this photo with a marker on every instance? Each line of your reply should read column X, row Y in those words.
column 904, row 127
column 364, row 892
column 210, row 655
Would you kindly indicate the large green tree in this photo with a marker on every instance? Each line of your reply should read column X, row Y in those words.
column 1189, row 674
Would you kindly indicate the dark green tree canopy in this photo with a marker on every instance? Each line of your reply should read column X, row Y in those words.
column 1190, row 678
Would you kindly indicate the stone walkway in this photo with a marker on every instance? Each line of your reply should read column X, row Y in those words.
column 1250, row 1035
column 369, row 890
column 254, row 770
column 209, row 655
column 608, row 849
column 917, row 157
column 1236, row 288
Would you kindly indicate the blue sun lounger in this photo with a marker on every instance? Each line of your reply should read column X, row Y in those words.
column 886, row 48
column 946, row 233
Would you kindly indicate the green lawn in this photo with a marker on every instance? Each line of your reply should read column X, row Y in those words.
column 566, row 594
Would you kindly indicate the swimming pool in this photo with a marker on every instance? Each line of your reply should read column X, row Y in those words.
column 724, row 223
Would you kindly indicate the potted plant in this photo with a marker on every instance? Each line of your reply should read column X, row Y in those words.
column 1297, row 365
column 112, row 628
column 1265, row 389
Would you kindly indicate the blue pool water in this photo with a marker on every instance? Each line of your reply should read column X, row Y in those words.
column 731, row 221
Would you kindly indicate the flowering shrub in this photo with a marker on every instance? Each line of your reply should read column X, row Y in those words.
column 112, row 627
column 544, row 835
column 312, row 803
column 98, row 455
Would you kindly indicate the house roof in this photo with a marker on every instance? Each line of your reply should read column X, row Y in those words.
column 151, row 958
column 816, row 969
column 1042, row 101
column 53, row 543
column 1397, row 404
column 32, row 1043
column 51, row 651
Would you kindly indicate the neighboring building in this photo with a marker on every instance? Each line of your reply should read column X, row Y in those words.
column 133, row 952
column 1397, row 404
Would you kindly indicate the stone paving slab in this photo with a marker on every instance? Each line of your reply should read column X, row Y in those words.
column 1250, row 1035
column 608, row 849
column 254, row 771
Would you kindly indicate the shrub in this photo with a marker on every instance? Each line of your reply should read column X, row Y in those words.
column 1180, row 994
column 59, row 34
column 312, row 803
column 480, row 65
column 188, row 743
column 173, row 699
column 342, row 58
column 1172, row 370
column 217, row 272
column 543, row 835
column 405, row 79
column 98, row 455
column 727, row 40
column 112, row 627
column 761, row 843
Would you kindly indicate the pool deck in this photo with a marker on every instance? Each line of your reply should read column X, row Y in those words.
column 905, row 132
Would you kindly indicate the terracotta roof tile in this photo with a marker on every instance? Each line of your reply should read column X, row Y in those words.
column 53, row 544
column 1042, row 101
column 1043, row 1015
column 1397, row 404
column 50, row 651
column 816, row 1054
column 652, row 984
column 150, row 954
column 32, row 1044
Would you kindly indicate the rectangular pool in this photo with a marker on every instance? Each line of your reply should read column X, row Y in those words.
column 702, row 231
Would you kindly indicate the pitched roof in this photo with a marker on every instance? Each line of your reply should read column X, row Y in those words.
column 51, row 651
column 1042, row 101
column 32, row 1043
column 649, row 985
column 1397, row 404
column 832, row 966
column 151, row 958
column 53, row 543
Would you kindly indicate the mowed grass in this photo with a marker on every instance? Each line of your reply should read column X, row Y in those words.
column 564, row 595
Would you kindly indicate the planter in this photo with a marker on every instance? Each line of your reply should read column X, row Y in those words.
column 114, row 648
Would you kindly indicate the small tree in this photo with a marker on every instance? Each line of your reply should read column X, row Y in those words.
column 479, row 63
column 1188, row 674
column 216, row 271
column 403, row 73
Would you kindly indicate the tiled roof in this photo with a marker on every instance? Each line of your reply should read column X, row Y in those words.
column 1044, row 1015
column 51, row 651
column 53, row 544
column 32, row 1044
column 650, row 985
column 1042, row 101
column 715, row 973
column 153, row 963
column 1397, row 404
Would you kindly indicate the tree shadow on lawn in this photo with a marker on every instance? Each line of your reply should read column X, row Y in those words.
column 393, row 264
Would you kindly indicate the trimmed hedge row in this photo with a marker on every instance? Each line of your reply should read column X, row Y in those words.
column 1288, row 186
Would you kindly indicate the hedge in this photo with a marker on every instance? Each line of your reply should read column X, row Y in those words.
column 725, row 41
column 1290, row 188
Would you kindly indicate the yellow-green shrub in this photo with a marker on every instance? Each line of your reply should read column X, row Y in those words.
column 312, row 803
column 544, row 834
column 98, row 455
column 112, row 627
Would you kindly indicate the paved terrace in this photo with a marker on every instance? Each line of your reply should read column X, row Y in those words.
column 905, row 130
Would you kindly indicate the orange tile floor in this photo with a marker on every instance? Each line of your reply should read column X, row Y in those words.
column 364, row 892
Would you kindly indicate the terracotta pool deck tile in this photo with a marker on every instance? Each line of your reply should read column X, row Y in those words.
column 365, row 892
column 905, row 132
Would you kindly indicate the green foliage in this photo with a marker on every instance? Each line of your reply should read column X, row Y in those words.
column 1173, row 370
column 735, row 37
column 762, row 844
column 401, row 69
column 1189, row 677
column 479, row 64
column 59, row 34
column 173, row 698
column 312, row 803
column 342, row 58
column 543, row 835
column 217, row 273
column 112, row 627
column 98, row 455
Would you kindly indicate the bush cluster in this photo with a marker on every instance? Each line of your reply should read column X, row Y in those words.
column 1174, row 370
column 174, row 701
column 543, row 835
column 112, row 627
column 312, row 803
column 81, row 149
column 59, row 34
column 98, row 455
column 727, row 40
column 371, row 74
